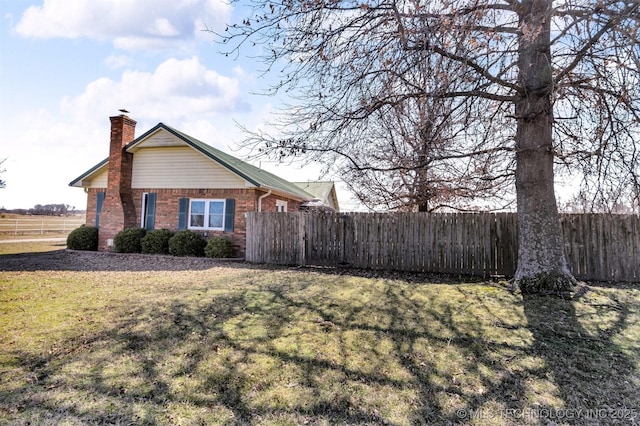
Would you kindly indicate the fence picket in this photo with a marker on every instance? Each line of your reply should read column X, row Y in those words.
column 597, row 246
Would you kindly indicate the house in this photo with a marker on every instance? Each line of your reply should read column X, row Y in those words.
column 167, row 179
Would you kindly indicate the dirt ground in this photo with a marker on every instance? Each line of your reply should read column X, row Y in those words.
column 70, row 260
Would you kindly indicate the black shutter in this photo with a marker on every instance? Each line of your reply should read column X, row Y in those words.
column 183, row 209
column 229, row 214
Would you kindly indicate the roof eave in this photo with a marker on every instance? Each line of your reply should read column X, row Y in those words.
column 77, row 182
column 290, row 195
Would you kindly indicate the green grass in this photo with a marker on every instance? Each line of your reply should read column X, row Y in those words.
column 235, row 345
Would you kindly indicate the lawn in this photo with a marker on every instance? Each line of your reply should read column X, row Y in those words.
column 234, row 344
column 30, row 244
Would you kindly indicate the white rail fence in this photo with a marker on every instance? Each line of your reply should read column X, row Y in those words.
column 40, row 224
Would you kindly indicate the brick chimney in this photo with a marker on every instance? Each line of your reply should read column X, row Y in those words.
column 118, row 210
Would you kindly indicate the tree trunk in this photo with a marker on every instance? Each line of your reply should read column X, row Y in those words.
column 542, row 267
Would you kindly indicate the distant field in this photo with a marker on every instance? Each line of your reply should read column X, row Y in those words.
column 13, row 224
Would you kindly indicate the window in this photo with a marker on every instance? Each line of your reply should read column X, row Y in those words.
column 99, row 203
column 202, row 214
column 281, row 206
column 207, row 214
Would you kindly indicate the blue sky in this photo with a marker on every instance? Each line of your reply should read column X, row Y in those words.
column 66, row 66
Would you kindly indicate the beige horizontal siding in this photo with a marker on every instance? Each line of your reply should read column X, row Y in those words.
column 98, row 181
column 161, row 138
column 180, row 167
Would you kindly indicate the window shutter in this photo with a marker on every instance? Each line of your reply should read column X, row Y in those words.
column 150, row 213
column 229, row 214
column 99, row 203
column 183, row 208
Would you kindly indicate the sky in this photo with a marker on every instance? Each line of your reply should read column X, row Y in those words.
column 67, row 66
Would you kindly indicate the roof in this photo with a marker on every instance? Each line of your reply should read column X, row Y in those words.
column 255, row 175
column 324, row 191
column 319, row 190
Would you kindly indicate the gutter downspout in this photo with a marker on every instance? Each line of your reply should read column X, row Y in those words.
column 260, row 200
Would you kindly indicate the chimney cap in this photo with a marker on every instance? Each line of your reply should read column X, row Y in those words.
column 124, row 111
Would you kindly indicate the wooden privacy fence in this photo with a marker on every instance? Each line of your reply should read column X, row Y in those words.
column 598, row 246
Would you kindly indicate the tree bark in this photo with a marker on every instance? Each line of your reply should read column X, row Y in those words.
column 542, row 267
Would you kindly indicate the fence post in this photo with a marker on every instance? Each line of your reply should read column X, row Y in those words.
column 16, row 230
column 302, row 231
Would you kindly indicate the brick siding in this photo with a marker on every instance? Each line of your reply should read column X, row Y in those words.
column 246, row 200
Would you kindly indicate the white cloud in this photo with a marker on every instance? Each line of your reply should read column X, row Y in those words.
column 150, row 43
column 118, row 61
column 163, row 28
column 50, row 149
column 176, row 89
column 140, row 24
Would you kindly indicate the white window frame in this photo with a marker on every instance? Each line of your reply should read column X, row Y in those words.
column 281, row 206
column 207, row 202
column 143, row 210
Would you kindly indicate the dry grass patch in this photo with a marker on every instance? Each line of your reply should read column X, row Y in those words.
column 29, row 246
column 234, row 345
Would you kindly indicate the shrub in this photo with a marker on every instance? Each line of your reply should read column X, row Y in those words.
column 156, row 241
column 129, row 240
column 187, row 243
column 219, row 247
column 83, row 238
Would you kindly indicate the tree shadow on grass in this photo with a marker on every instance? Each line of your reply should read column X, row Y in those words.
column 579, row 340
column 171, row 364
column 316, row 349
